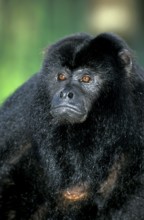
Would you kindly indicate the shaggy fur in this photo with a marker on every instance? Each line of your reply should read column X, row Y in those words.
column 93, row 169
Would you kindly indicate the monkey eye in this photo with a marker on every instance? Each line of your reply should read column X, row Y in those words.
column 61, row 77
column 85, row 79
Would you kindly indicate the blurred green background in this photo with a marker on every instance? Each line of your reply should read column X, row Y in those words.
column 28, row 27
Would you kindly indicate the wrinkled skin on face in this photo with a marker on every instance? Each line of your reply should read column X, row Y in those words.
column 76, row 92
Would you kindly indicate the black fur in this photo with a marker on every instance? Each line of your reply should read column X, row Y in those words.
column 59, row 166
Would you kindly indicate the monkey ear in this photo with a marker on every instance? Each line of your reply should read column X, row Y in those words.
column 126, row 59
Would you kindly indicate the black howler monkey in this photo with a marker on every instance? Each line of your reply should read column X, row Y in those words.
column 72, row 137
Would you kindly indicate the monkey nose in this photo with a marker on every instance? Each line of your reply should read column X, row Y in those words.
column 65, row 94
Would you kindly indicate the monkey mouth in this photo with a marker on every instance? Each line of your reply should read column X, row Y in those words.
column 65, row 108
column 68, row 113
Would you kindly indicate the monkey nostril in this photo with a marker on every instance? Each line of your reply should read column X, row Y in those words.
column 70, row 95
column 61, row 94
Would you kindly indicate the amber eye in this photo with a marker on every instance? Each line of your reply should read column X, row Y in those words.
column 86, row 79
column 61, row 77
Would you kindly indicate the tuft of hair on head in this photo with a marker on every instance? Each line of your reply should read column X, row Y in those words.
column 116, row 45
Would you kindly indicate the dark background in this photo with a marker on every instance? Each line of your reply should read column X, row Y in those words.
column 28, row 27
